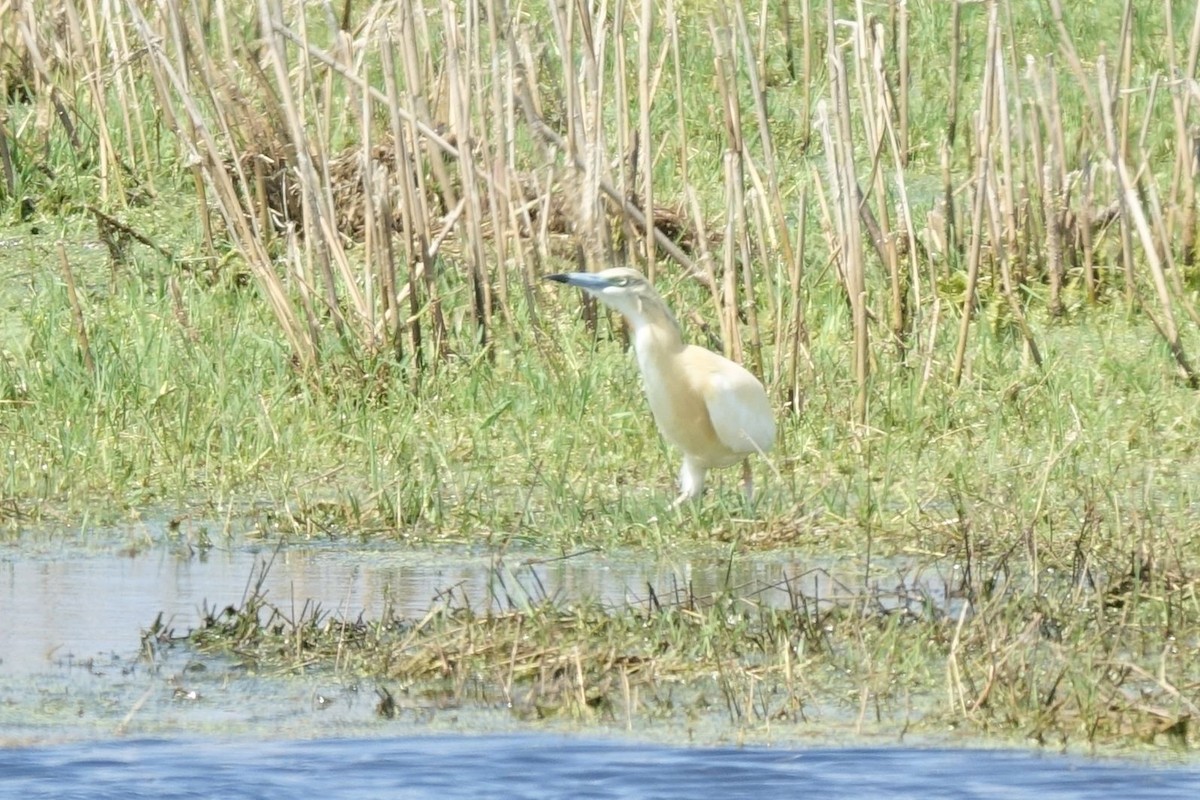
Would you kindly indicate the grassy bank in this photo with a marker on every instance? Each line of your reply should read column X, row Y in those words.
column 194, row 398
column 299, row 273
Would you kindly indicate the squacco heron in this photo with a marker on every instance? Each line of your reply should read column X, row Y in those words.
column 712, row 409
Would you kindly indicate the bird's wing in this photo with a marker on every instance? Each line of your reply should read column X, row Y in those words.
column 739, row 409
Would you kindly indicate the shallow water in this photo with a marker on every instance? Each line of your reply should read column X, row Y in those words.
column 553, row 767
column 73, row 610
column 59, row 609
column 82, row 715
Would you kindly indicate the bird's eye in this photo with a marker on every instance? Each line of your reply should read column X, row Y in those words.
column 621, row 282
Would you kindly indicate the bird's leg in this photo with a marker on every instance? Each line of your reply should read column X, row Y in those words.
column 691, row 482
column 748, row 480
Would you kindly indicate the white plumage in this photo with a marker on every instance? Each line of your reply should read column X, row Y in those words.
column 712, row 409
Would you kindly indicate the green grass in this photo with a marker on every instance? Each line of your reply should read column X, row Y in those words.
column 551, row 441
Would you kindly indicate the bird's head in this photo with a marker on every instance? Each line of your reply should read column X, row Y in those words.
column 620, row 288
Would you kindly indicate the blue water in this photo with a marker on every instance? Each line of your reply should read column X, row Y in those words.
column 530, row 766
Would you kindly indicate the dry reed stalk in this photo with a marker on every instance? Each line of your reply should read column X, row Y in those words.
column 706, row 263
column 733, row 222
column 1125, row 76
column 1159, row 224
column 408, row 210
column 89, row 52
column 1067, row 47
column 735, row 200
column 122, row 62
column 612, row 194
column 877, row 96
column 930, row 340
column 589, row 134
column 495, row 155
column 81, row 334
column 737, row 166
column 413, row 210
column 408, row 109
column 200, row 146
column 797, row 331
column 904, row 207
column 982, row 178
column 1187, row 144
column 673, row 35
column 840, row 155
column 379, row 269
column 1006, row 187
column 1053, row 208
column 51, row 93
column 1113, row 140
column 777, row 232
column 646, row 144
column 1049, row 165
column 997, row 217
column 902, row 77
column 806, row 75
column 1131, row 210
column 948, row 232
column 1084, row 228
column 789, row 46
column 626, row 128
column 6, row 156
column 459, row 80
column 322, row 244
column 863, row 31
column 955, row 78
column 950, row 228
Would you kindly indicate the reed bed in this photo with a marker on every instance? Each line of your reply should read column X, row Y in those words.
column 395, row 177
column 897, row 660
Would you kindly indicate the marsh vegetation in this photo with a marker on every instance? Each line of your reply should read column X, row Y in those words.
column 287, row 256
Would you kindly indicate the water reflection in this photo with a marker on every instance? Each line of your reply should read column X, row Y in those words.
column 73, row 607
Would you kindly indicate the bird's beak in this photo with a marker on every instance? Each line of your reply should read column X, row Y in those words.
column 584, row 280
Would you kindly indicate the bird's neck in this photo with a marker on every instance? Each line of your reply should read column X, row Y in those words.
column 656, row 334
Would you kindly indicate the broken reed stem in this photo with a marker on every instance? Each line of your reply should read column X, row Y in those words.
column 81, row 334
column 1132, row 211
column 1052, row 211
